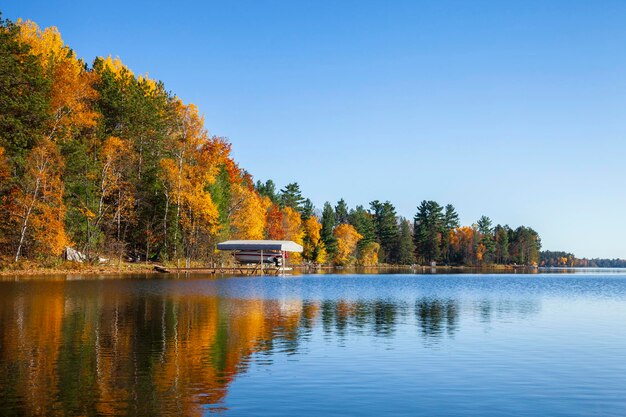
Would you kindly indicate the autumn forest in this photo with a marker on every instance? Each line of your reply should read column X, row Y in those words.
column 113, row 164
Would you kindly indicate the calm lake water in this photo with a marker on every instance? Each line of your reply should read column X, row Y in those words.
column 313, row 345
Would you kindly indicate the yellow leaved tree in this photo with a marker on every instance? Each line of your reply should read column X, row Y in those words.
column 368, row 254
column 314, row 249
column 116, row 204
column 72, row 92
column 247, row 212
column 347, row 238
column 117, row 67
column 186, row 174
column 292, row 228
column 462, row 242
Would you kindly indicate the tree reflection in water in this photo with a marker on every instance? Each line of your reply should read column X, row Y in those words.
column 108, row 349
column 436, row 317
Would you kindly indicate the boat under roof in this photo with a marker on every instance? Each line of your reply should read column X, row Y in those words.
column 261, row 245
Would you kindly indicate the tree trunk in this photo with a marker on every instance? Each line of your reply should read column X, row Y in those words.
column 167, row 207
column 26, row 218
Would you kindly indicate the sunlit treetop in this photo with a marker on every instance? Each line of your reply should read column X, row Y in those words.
column 152, row 86
column 116, row 66
column 72, row 84
column 46, row 43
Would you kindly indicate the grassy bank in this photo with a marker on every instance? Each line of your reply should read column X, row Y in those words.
column 66, row 267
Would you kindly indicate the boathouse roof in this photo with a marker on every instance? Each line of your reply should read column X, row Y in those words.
column 284, row 245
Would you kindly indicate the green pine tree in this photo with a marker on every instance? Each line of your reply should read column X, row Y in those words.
column 363, row 222
column 341, row 212
column 428, row 229
column 386, row 226
column 405, row 248
column 328, row 225
column 501, row 234
column 291, row 196
column 487, row 239
column 450, row 222
column 267, row 189
column 24, row 96
column 306, row 209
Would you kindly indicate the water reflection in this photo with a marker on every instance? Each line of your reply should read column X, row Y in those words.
column 377, row 317
column 436, row 317
column 109, row 353
column 106, row 348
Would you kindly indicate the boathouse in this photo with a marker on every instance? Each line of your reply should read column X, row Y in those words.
column 263, row 252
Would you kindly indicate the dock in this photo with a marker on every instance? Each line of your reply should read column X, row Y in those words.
column 243, row 270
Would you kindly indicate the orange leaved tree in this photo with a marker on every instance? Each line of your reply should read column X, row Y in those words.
column 36, row 203
column 274, row 221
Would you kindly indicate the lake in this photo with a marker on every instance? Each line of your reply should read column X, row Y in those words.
column 313, row 345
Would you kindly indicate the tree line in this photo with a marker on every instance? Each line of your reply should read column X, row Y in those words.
column 368, row 236
column 113, row 164
column 567, row 259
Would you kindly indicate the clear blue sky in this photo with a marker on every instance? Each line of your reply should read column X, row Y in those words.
column 513, row 109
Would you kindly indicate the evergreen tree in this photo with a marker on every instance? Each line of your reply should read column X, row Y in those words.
column 386, row 226
column 428, row 228
column 450, row 222
column 267, row 189
column 306, row 209
column 341, row 213
column 525, row 246
column 24, row 96
column 502, row 244
column 328, row 225
column 451, row 217
column 363, row 222
column 27, row 191
column 221, row 193
column 405, row 249
column 139, row 111
column 486, row 239
column 291, row 196
column 484, row 225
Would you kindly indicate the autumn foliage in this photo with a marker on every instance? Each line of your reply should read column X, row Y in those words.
column 314, row 248
column 116, row 166
column 347, row 239
column 72, row 93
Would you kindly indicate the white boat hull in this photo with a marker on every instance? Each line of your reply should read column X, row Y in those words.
column 253, row 257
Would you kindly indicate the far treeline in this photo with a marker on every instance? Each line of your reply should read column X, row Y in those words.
column 566, row 259
column 115, row 166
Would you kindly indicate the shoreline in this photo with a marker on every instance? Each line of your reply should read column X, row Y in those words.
column 79, row 269
column 70, row 268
